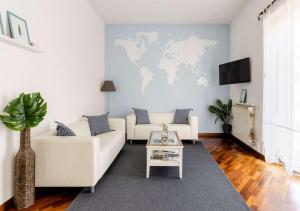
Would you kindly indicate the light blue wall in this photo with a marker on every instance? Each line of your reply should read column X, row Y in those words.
column 159, row 95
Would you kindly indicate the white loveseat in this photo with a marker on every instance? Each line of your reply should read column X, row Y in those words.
column 142, row 131
column 76, row 161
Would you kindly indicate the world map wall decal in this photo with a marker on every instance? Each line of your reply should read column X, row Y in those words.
column 176, row 55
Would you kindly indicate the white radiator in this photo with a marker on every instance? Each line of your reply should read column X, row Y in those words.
column 243, row 124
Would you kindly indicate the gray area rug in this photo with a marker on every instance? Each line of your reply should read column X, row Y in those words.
column 124, row 186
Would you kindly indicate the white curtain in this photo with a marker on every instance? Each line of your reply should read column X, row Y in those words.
column 281, row 109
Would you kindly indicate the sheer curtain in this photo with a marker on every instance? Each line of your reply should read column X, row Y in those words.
column 281, row 109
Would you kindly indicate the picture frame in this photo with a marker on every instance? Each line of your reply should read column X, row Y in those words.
column 18, row 28
column 1, row 26
column 243, row 97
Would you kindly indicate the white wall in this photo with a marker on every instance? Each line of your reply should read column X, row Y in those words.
column 246, row 35
column 68, row 73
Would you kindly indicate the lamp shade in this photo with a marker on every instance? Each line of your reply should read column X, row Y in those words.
column 108, row 86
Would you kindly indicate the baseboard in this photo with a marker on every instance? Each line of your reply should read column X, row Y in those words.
column 248, row 148
column 211, row 135
column 8, row 204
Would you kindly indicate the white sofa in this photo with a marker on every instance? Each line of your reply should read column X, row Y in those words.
column 142, row 131
column 76, row 161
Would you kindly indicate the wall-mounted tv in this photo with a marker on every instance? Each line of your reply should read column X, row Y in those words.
column 235, row 72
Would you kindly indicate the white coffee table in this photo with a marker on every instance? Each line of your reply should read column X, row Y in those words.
column 171, row 153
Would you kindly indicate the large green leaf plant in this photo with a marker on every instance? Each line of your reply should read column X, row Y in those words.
column 222, row 111
column 26, row 111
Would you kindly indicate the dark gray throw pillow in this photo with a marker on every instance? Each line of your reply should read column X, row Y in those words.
column 142, row 116
column 63, row 130
column 182, row 116
column 98, row 124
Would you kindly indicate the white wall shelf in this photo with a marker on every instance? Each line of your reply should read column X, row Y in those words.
column 14, row 42
column 245, row 105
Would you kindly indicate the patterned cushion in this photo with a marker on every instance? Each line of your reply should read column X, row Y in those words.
column 63, row 130
column 182, row 116
column 98, row 124
column 142, row 116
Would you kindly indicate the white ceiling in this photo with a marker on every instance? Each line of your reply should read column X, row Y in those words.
column 167, row 11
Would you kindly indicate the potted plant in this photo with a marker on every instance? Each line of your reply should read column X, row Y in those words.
column 223, row 112
column 23, row 113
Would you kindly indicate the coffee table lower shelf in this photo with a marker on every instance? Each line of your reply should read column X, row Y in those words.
column 157, row 162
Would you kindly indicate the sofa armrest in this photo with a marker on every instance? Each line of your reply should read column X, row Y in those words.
column 193, row 122
column 66, row 161
column 117, row 124
column 130, row 120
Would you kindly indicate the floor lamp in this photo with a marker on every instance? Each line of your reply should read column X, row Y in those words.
column 108, row 86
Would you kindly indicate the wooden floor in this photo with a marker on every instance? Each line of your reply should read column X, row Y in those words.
column 263, row 186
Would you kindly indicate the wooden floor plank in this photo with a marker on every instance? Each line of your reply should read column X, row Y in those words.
column 263, row 186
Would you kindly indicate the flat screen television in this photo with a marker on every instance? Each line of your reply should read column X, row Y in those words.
column 235, row 72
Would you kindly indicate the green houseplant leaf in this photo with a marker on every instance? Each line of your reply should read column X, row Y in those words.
column 221, row 110
column 219, row 103
column 26, row 111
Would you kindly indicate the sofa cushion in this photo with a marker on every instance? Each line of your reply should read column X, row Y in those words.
column 184, row 130
column 98, row 124
column 81, row 128
column 142, row 116
column 109, row 139
column 143, row 131
column 182, row 116
column 63, row 130
column 159, row 118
